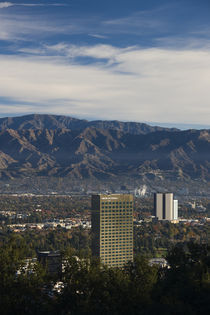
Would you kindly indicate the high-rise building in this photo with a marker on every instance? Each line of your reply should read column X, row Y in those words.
column 166, row 208
column 175, row 209
column 112, row 228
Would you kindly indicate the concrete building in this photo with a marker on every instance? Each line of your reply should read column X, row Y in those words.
column 158, row 205
column 166, row 208
column 175, row 209
column 52, row 261
column 112, row 228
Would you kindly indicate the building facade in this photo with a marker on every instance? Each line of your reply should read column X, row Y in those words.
column 112, row 228
column 175, row 209
column 52, row 261
column 166, row 208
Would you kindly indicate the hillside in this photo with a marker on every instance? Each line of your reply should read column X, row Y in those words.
column 78, row 152
column 54, row 122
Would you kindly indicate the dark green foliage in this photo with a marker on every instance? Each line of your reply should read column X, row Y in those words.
column 185, row 287
column 93, row 289
column 90, row 288
column 20, row 293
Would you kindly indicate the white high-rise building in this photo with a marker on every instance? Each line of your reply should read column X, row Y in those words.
column 175, row 209
column 166, row 208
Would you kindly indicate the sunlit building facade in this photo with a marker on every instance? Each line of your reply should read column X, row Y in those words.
column 112, row 228
column 166, row 208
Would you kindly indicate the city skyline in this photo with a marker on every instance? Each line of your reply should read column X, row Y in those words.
column 136, row 61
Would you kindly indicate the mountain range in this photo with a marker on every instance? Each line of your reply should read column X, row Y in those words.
column 49, row 145
column 53, row 122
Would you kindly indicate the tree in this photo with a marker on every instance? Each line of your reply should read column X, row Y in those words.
column 185, row 287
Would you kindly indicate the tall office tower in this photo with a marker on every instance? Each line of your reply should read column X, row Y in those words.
column 112, row 228
column 158, row 205
column 168, row 205
column 165, row 207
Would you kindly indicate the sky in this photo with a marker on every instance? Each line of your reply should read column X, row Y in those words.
column 130, row 60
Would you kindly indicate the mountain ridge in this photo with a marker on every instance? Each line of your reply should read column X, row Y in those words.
column 45, row 121
column 102, row 153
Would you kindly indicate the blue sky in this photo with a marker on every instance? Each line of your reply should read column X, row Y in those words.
column 128, row 60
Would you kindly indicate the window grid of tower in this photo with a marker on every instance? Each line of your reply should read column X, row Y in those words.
column 115, row 234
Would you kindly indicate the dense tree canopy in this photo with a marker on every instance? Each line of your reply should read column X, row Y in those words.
column 90, row 288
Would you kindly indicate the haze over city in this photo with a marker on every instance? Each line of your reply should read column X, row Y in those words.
column 145, row 61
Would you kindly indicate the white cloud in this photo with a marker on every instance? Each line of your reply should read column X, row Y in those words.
column 31, row 27
column 20, row 27
column 97, row 51
column 187, row 43
column 138, row 23
column 11, row 4
column 98, row 36
column 160, row 85
column 5, row 5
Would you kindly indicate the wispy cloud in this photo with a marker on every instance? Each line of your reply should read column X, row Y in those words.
column 137, row 23
column 98, row 36
column 15, row 27
column 147, row 27
column 4, row 5
column 97, row 52
column 162, row 85
column 33, row 27
column 183, row 42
